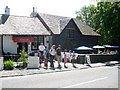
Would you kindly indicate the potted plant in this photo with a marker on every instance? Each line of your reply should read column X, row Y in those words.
column 9, row 65
column 23, row 58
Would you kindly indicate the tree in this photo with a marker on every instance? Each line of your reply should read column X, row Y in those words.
column 105, row 19
column 87, row 15
column 108, row 16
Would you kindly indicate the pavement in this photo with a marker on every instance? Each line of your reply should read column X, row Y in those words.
column 24, row 72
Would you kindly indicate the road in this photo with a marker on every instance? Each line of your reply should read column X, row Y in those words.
column 100, row 77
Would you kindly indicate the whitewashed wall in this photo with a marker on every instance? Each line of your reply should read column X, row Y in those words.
column 9, row 45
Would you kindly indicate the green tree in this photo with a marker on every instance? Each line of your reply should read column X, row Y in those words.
column 105, row 20
column 87, row 15
column 108, row 16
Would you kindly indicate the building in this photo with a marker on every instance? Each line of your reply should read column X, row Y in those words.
column 68, row 32
column 21, row 32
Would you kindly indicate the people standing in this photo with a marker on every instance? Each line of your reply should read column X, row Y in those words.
column 41, row 50
column 52, row 52
column 70, row 56
column 45, row 54
column 58, row 56
column 73, row 59
column 87, row 60
column 65, row 58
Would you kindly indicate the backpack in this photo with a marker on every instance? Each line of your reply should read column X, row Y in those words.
column 58, row 51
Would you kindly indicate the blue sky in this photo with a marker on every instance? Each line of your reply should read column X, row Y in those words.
column 56, row 7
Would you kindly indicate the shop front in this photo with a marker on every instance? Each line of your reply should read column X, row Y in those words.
column 23, row 42
column 13, row 44
column 28, row 43
column 21, row 32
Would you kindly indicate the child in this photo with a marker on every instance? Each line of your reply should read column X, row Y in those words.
column 70, row 55
column 65, row 58
column 73, row 59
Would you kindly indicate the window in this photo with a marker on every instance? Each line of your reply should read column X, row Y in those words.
column 38, row 40
column 34, row 44
column 71, row 33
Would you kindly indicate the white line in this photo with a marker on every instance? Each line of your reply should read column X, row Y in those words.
column 85, row 82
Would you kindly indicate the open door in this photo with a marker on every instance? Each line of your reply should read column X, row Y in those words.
column 22, row 46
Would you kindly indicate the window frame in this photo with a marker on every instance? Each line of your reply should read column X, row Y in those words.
column 70, row 33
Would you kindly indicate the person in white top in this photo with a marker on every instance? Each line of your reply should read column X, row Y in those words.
column 52, row 52
column 41, row 48
column 70, row 56
column 73, row 59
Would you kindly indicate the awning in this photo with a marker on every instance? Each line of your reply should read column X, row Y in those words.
column 83, row 48
column 23, row 39
column 97, row 46
column 109, row 46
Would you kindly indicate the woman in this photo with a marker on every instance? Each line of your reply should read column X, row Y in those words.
column 65, row 58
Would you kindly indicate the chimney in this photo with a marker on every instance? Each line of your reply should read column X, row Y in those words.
column 5, row 16
column 7, row 10
column 33, row 9
column 34, row 13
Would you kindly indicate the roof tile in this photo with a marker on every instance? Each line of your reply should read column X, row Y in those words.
column 22, row 25
column 58, row 23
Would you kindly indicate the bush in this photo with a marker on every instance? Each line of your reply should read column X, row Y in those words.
column 23, row 58
column 9, row 65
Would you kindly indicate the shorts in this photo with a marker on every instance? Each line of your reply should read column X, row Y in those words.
column 58, row 57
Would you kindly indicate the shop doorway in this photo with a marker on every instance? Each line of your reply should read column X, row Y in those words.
column 22, row 46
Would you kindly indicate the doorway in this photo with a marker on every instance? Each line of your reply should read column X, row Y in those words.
column 22, row 46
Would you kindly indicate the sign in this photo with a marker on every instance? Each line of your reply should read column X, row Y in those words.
column 23, row 39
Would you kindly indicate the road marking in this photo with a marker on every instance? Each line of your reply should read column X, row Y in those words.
column 86, row 82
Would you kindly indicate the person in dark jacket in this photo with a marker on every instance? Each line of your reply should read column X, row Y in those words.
column 45, row 54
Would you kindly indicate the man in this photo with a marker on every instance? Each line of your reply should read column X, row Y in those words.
column 41, row 50
column 45, row 54
column 58, row 56
column 52, row 52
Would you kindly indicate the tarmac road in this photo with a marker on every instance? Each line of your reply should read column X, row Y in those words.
column 100, row 77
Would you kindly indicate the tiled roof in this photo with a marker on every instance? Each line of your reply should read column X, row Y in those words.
column 85, row 29
column 63, row 24
column 58, row 23
column 22, row 25
column 55, row 23
column 7, row 30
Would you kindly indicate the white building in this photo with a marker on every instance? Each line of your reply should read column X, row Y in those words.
column 21, row 32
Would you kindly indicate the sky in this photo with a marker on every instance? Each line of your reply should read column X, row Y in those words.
column 65, row 8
